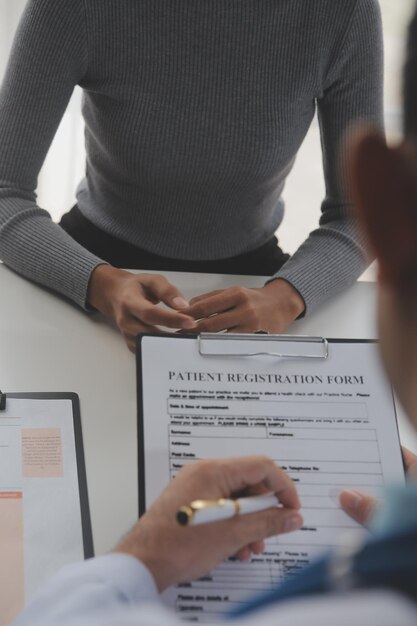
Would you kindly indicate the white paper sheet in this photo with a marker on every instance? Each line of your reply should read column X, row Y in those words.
column 40, row 515
column 330, row 423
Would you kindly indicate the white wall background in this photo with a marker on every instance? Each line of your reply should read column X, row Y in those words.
column 65, row 163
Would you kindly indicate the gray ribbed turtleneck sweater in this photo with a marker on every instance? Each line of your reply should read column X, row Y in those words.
column 194, row 112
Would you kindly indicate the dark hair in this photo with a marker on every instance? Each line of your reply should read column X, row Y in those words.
column 410, row 83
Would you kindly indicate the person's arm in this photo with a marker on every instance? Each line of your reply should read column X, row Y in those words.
column 86, row 592
column 158, row 552
column 116, row 590
column 334, row 255
column 49, row 57
column 121, row 589
column 132, row 300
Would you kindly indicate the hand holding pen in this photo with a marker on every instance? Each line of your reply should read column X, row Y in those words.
column 176, row 554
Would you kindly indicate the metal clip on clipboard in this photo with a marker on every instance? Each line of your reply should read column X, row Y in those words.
column 207, row 342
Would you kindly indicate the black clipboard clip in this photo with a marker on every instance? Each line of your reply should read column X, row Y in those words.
column 254, row 344
column 2, row 401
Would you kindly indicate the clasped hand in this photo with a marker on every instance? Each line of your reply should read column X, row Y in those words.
column 270, row 308
column 132, row 302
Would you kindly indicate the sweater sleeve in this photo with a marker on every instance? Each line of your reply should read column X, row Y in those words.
column 49, row 57
column 334, row 255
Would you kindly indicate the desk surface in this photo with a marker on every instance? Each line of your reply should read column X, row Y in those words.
column 48, row 344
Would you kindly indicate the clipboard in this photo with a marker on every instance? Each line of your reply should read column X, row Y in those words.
column 79, row 451
column 320, row 408
column 44, row 494
column 247, row 347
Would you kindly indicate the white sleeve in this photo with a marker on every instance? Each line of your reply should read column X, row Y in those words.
column 83, row 590
column 118, row 590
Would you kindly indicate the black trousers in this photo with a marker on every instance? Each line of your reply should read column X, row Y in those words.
column 263, row 261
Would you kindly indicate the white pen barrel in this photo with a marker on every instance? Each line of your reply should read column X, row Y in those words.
column 214, row 513
column 257, row 503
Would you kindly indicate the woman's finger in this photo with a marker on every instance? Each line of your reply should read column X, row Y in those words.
column 217, row 323
column 223, row 301
column 246, row 328
column 158, row 316
column 161, row 290
column 204, row 296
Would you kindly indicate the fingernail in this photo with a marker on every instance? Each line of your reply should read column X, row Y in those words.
column 352, row 499
column 294, row 522
column 179, row 303
column 189, row 324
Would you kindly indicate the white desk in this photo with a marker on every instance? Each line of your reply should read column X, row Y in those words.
column 47, row 344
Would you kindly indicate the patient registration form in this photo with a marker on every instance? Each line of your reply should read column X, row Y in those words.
column 330, row 423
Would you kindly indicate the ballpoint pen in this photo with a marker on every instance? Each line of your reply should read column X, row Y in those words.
column 204, row 511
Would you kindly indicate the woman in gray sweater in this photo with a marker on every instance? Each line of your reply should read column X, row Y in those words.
column 194, row 113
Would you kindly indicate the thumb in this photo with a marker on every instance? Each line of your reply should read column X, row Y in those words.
column 163, row 290
column 358, row 505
